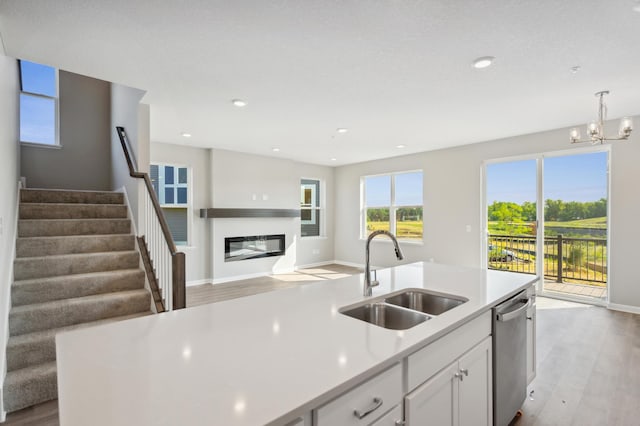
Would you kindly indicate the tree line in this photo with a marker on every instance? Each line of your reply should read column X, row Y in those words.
column 554, row 210
column 381, row 214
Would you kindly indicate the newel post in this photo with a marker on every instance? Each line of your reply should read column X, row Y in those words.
column 178, row 269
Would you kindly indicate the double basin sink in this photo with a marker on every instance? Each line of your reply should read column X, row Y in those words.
column 403, row 310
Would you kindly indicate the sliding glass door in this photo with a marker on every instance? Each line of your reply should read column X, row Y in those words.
column 547, row 215
column 576, row 225
column 511, row 194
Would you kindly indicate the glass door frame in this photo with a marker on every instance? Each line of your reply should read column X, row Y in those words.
column 540, row 223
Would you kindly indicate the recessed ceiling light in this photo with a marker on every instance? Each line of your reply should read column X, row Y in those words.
column 342, row 130
column 239, row 103
column 186, row 135
column 334, row 159
column 483, row 61
column 275, row 149
column 401, row 146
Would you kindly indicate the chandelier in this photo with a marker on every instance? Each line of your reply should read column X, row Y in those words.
column 595, row 129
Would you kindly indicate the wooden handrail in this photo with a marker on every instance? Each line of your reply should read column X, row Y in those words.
column 178, row 259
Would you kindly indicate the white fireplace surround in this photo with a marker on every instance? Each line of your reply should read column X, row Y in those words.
column 233, row 227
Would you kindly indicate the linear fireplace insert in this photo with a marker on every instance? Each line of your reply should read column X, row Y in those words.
column 253, row 247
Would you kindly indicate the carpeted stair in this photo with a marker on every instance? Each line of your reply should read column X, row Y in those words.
column 76, row 266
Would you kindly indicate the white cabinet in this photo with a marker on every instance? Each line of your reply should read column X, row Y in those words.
column 365, row 403
column 459, row 395
column 392, row 418
column 531, row 335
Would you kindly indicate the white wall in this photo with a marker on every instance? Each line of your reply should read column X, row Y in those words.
column 236, row 178
column 452, row 197
column 128, row 112
column 198, row 252
column 9, row 175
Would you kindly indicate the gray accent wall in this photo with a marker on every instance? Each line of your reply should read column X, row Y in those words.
column 9, row 176
column 83, row 160
column 452, row 200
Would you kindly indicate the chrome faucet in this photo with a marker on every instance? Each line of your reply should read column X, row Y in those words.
column 368, row 284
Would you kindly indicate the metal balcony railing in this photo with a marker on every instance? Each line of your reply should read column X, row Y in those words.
column 574, row 259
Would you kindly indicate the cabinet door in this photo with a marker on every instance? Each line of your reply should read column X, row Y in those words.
column 475, row 390
column 435, row 402
column 531, row 343
column 392, row 418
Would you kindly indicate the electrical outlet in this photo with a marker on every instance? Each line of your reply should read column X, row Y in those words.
column 468, row 228
column 316, row 251
column 254, row 197
column 265, row 197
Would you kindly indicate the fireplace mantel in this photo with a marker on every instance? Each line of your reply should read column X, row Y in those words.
column 232, row 213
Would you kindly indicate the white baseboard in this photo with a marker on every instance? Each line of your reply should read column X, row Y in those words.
column 199, row 282
column 355, row 265
column 624, row 308
column 7, row 303
column 314, row 265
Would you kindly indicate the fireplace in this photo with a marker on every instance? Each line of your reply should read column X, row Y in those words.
column 253, row 247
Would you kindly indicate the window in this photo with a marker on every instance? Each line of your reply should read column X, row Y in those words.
column 393, row 203
column 171, row 185
column 310, row 211
column 38, row 104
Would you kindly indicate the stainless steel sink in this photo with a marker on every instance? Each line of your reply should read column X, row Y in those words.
column 423, row 301
column 387, row 316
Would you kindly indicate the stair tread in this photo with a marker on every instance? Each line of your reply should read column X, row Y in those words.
column 16, row 377
column 86, row 219
column 75, row 255
column 79, row 191
column 87, row 275
column 83, row 299
column 50, row 333
column 69, row 204
column 52, row 237
column 43, row 195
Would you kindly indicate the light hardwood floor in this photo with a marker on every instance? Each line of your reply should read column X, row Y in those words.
column 588, row 366
column 207, row 293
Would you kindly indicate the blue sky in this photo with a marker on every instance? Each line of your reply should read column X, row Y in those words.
column 408, row 190
column 581, row 177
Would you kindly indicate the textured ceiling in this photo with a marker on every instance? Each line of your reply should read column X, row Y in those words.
column 391, row 71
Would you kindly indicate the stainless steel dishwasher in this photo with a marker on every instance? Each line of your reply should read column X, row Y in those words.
column 509, row 358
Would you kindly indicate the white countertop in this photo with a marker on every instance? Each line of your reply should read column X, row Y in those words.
column 263, row 359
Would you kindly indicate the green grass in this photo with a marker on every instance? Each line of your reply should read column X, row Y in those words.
column 405, row 230
column 595, row 222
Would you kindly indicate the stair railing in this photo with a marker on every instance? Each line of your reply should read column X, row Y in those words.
column 162, row 259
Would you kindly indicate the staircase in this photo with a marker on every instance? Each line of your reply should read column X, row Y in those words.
column 76, row 266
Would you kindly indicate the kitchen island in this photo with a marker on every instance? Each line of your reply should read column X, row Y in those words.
column 269, row 359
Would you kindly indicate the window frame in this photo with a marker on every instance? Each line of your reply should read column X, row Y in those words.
column 393, row 207
column 56, row 103
column 189, row 204
column 320, row 209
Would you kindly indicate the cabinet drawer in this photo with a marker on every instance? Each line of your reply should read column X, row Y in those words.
column 385, row 388
column 427, row 361
column 392, row 418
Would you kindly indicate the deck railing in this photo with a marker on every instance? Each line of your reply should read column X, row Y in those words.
column 565, row 258
column 165, row 265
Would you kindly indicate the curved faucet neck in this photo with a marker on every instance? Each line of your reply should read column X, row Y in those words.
column 368, row 285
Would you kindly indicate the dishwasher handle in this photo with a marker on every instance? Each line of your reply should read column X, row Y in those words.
column 508, row 316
